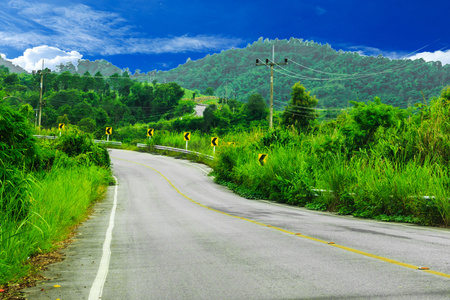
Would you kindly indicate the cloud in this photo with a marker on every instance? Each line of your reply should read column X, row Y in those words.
column 90, row 31
column 372, row 51
column 442, row 56
column 32, row 58
column 3, row 56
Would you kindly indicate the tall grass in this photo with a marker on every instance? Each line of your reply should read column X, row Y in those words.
column 366, row 184
column 58, row 200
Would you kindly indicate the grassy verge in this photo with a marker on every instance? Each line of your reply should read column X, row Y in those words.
column 59, row 200
column 46, row 188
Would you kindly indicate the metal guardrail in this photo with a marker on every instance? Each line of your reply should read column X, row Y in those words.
column 54, row 137
column 158, row 147
column 47, row 137
column 108, row 142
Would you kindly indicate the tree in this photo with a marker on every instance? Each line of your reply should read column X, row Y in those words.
column 300, row 111
column 63, row 119
column 209, row 91
column 256, row 108
column 87, row 125
column 209, row 118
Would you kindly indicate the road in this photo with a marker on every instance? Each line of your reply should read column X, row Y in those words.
column 178, row 235
column 199, row 109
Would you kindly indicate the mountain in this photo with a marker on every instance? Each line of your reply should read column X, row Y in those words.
column 335, row 77
column 85, row 65
column 12, row 67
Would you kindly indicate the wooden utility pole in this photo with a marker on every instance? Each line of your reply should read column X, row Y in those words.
column 271, row 64
column 40, row 94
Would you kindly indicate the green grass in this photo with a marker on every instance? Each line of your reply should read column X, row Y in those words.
column 364, row 185
column 59, row 200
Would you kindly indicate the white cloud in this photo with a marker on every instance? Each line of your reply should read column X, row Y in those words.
column 372, row 51
column 90, row 31
column 2, row 55
column 32, row 58
column 442, row 56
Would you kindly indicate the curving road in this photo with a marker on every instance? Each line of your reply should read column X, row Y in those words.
column 177, row 235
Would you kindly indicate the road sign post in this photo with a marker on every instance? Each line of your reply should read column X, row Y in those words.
column 214, row 143
column 108, row 133
column 150, row 132
column 187, row 137
column 61, row 127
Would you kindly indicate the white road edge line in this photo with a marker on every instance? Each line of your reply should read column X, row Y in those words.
column 97, row 286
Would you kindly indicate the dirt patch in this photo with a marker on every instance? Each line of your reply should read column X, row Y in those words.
column 38, row 264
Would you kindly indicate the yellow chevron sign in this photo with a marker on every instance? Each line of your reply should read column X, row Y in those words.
column 262, row 158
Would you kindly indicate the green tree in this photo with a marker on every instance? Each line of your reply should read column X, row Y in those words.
column 209, row 91
column 87, row 125
column 209, row 118
column 63, row 119
column 256, row 108
column 300, row 111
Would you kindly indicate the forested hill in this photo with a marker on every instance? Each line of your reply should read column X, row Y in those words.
column 335, row 77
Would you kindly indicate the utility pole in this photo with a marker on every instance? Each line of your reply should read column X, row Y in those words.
column 271, row 64
column 226, row 92
column 40, row 94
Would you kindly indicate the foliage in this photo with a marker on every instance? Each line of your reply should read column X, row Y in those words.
column 375, row 161
column 299, row 113
column 81, row 146
column 335, row 77
column 43, row 191
column 256, row 108
column 94, row 101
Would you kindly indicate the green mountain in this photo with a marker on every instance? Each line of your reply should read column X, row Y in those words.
column 335, row 77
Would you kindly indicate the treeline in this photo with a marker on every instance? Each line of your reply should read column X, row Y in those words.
column 335, row 77
column 92, row 102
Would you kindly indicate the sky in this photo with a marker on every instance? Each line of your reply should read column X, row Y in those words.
column 149, row 35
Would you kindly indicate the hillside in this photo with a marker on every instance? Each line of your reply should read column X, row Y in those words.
column 335, row 77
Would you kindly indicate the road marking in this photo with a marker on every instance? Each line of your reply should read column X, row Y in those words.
column 97, row 286
column 381, row 258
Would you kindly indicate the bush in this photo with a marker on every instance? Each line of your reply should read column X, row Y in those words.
column 76, row 143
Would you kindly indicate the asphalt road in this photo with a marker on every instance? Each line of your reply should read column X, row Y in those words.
column 178, row 235
column 199, row 109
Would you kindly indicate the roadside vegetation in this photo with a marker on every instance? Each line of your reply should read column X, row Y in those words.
column 46, row 188
column 372, row 161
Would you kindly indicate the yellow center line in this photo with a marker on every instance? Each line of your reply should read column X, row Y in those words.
column 388, row 260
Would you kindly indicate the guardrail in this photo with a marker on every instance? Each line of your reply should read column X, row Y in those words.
column 158, row 147
column 47, row 137
column 54, row 137
column 108, row 142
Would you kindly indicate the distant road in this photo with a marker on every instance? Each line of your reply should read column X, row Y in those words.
column 199, row 109
column 178, row 235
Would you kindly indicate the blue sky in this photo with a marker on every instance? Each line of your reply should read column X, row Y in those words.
column 161, row 34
